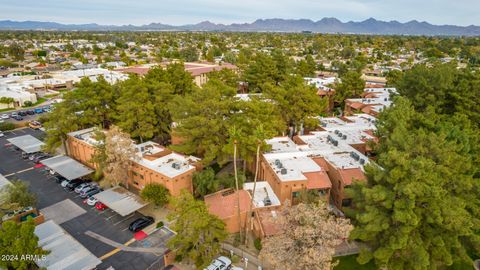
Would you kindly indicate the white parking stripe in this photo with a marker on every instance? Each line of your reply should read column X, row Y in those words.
column 115, row 224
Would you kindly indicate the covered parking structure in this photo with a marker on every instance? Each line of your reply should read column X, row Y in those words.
column 3, row 182
column 65, row 251
column 27, row 143
column 121, row 200
column 67, row 167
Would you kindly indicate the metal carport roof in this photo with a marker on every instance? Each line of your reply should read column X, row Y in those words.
column 27, row 143
column 120, row 200
column 3, row 181
column 65, row 251
column 67, row 167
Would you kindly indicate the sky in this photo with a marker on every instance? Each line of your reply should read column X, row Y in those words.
column 179, row 12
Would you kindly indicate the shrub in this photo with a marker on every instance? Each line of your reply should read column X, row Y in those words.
column 258, row 244
column 160, row 224
column 27, row 103
column 155, row 193
column 7, row 126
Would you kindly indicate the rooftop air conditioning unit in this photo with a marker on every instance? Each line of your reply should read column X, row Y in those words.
column 283, row 171
column 176, row 165
column 362, row 161
column 344, row 137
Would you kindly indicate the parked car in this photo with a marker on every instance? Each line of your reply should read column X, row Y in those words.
column 18, row 118
column 34, row 155
column 35, row 125
column 38, row 110
column 81, row 187
column 90, row 192
column 220, row 263
column 5, row 116
column 91, row 201
column 41, row 157
column 141, row 223
column 13, row 114
column 46, row 109
column 100, row 206
column 22, row 113
column 74, row 183
column 30, row 112
column 1, row 134
column 59, row 179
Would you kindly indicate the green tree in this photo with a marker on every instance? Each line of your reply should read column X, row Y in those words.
column 136, row 110
column 7, row 101
column 17, row 195
column 155, row 193
column 262, row 70
column 204, row 182
column 199, row 233
column 201, row 120
column 297, row 101
column 19, row 240
column 351, row 85
column 419, row 208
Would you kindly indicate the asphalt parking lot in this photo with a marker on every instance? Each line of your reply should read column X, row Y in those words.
column 51, row 196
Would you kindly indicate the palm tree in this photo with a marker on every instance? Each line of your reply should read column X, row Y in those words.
column 249, row 216
column 234, row 135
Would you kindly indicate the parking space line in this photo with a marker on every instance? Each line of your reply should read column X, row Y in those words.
column 115, row 224
column 29, row 169
column 108, row 218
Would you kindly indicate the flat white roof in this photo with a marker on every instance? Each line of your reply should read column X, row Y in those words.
column 291, row 166
column 66, row 253
column 263, row 193
column 67, row 167
column 120, row 200
column 27, row 143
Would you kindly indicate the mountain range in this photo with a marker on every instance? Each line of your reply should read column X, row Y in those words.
column 325, row 25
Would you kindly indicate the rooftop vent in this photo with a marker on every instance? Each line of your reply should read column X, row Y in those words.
column 362, row 161
column 337, row 131
column 344, row 137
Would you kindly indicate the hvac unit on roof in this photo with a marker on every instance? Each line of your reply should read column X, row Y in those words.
column 340, row 134
column 283, row 171
column 344, row 137
column 176, row 165
column 362, row 161
column 277, row 161
column 337, row 131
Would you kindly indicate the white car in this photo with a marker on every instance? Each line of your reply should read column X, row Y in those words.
column 65, row 183
column 92, row 201
column 1, row 134
column 220, row 263
column 4, row 116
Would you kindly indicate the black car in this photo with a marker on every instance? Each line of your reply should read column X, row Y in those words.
column 74, row 183
column 91, row 192
column 18, row 118
column 140, row 223
column 59, row 179
column 22, row 113
column 30, row 112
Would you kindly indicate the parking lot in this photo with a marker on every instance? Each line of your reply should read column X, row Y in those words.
column 69, row 211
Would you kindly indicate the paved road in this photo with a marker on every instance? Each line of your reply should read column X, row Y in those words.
column 105, row 223
column 28, row 117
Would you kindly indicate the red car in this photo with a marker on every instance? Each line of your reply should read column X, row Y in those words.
column 100, row 206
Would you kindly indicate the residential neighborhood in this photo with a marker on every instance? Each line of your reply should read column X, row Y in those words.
column 279, row 144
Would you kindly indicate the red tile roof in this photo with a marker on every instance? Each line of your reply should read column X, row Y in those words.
column 348, row 175
column 318, row 180
column 224, row 203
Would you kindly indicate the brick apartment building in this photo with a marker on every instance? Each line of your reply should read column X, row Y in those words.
column 373, row 101
column 155, row 163
column 325, row 161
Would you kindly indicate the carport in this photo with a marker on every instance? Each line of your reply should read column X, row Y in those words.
column 65, row 251
column 3, row 182
column 120, row 200
column 27, row 143
column 67, row 167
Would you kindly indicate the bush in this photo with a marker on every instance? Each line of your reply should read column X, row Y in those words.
column 7, row 126
column 235, row 259
column 27, row 103
column 160, row 224
column 258, row 244
column 155, row 193
column 236, row 240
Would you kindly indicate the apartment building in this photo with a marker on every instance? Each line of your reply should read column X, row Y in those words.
column 373, row 101
column 326, row 162
column 323, row 89
column 154, row 163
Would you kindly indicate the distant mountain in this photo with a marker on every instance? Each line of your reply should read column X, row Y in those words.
column 325, row 25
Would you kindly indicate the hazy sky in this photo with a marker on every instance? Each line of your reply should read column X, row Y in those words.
column 459, row 12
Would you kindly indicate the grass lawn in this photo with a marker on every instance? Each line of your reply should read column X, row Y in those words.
column 350, row 263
